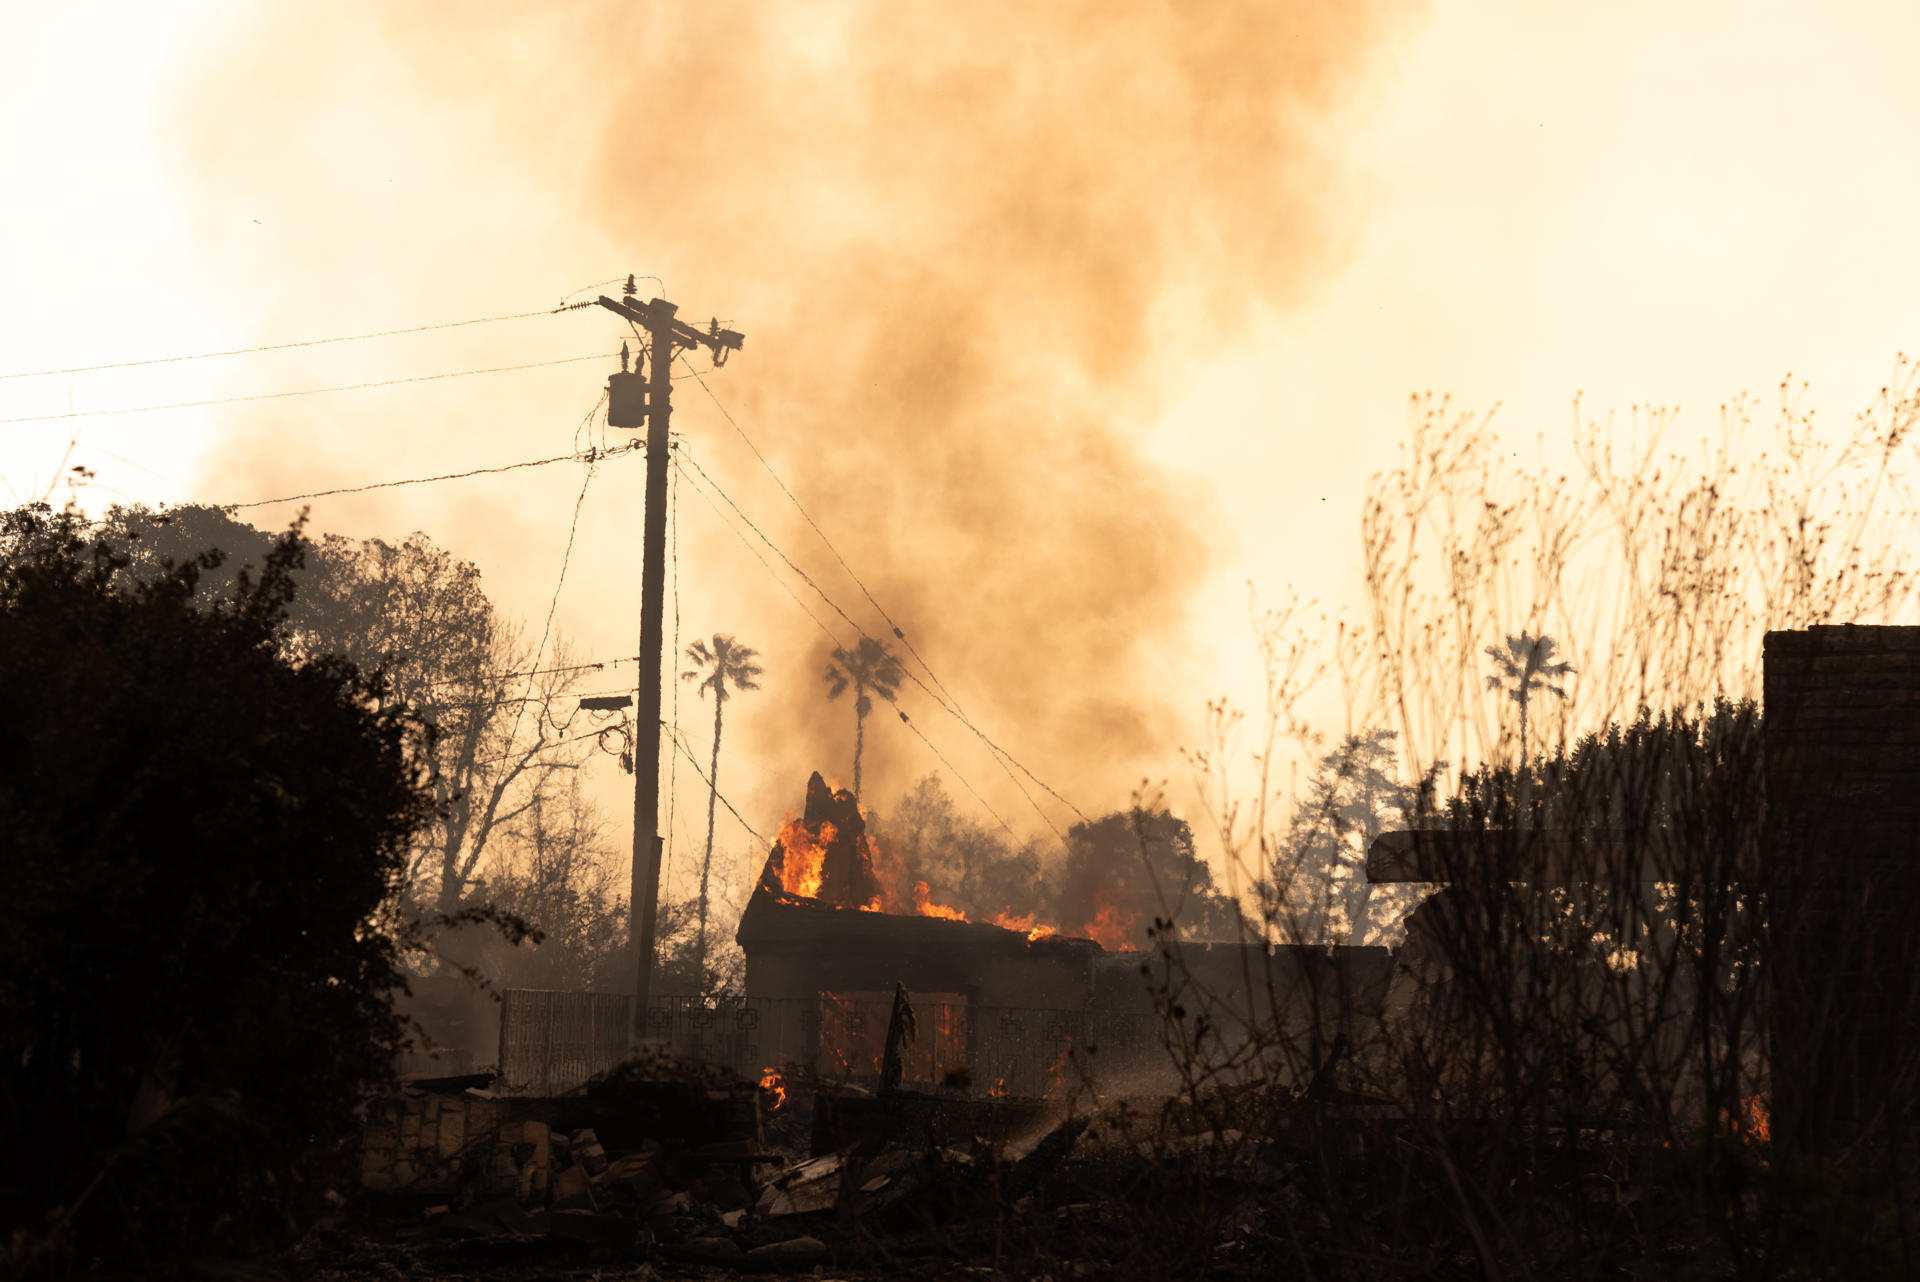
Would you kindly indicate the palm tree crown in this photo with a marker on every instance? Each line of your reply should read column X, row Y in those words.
column 723, row 662
column 1525, row 665
column 868, row 667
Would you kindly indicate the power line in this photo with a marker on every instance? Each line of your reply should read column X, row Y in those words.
column 952, row 709
column 543, row 747
column 954, row 770
column 282, row 347
column 305, row 391
column 534, row 672
column 808, row 516
column 587, row 455
column 944, row 698
column 680, row 743
column 910, row 724
column 787, row 587
column 566, row 559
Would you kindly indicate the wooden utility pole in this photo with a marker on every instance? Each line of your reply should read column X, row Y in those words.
column 636, row 400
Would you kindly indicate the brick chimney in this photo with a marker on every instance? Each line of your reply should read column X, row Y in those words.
column 1842, row 874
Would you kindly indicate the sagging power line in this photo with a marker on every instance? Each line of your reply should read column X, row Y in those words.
column 939, row 695
column 944, row 697
column 828, row 632
column 284, row 347
column 591, row 455
column 305, row 391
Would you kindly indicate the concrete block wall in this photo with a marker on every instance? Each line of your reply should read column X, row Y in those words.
column 428, row 1142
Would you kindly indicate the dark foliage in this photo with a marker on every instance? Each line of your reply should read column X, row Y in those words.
column 966, row 864
column 1137, row 865
column 1675, row 772
column 200, row 840
column 1118, row 872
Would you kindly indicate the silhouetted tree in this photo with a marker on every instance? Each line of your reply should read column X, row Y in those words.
column 420, row 615
column 1128, row 867
column 1524, row 666
column 203, row 839
column 723, row 663
column 977, row 868
column 1319, row 891
column 557, row 870
column 869, row 666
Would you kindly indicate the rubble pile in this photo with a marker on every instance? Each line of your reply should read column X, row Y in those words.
column 673, row 1168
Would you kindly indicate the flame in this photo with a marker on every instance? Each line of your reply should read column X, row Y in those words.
column 999, row 1089
column 923, row 905
column 797, row 869
column 802, row 865
column 1113, row 928
column 775, row 1085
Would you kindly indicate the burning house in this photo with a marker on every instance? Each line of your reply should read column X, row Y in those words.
column 827, row 936
column 832, row 927
column 1007, row 1006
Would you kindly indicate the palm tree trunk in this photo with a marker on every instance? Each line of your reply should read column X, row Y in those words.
column 706, row 862
column 1523, row 732
column 1525, row 778
column 859, row 741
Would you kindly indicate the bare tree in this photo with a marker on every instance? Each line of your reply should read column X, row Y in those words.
column 419, row 613
column 1318, row 889
column 557, row 871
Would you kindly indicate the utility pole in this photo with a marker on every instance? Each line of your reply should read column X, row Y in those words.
column 636, row 400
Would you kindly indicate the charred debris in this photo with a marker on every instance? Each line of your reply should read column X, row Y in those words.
column 897, row 1086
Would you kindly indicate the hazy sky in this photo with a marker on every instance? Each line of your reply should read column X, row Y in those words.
column 1064, row 321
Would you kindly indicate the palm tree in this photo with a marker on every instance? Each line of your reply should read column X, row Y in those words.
column 1526, row 665
column 869, row 666
column 725, row 662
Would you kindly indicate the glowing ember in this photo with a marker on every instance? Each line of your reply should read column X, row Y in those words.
column 775, row 1085
column 1756, row 1120
column 1055, row 1070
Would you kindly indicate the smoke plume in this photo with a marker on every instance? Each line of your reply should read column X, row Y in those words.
column 975, row 250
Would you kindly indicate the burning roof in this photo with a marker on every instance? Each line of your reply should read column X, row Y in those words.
column 825, row 872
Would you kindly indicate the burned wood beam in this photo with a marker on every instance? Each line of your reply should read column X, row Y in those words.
column 901, row 1030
